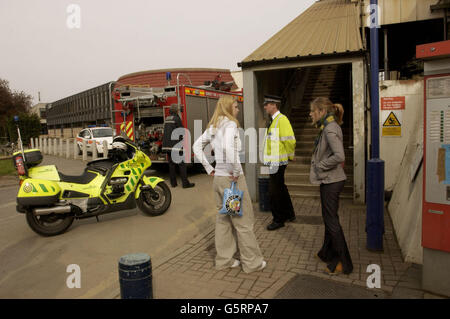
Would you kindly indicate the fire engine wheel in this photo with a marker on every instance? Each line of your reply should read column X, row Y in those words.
column 49, row 225
column 155, row 204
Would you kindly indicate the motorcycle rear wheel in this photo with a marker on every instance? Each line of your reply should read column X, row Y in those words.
column 49, row 225
column 157, row 204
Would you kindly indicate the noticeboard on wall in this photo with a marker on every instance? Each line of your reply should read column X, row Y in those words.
column 392, row 115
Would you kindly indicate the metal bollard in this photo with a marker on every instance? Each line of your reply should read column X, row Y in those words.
column 55, row 146
column 61, row 152
column 67, row 148
column 75, row 149
column 84, row 151
column 32, row 143
column 135, row 276
column 105, row 149
column 94, row 150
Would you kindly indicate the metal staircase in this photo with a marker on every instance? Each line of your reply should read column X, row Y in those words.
column 328, row 81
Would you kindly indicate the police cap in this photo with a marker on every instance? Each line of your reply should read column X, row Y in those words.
column 271, row 99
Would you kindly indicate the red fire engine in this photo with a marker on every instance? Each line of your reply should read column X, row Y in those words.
column 140, row 113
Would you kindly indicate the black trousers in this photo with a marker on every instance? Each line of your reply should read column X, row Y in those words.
column 173, row 172
column 280, row 200
column 334, row 249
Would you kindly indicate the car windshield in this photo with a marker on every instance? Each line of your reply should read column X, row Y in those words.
column 104, row 132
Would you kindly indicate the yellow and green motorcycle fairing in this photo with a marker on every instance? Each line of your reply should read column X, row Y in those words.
column 45, row 186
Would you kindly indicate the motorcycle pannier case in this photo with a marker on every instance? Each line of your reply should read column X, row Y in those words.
column 32, row 157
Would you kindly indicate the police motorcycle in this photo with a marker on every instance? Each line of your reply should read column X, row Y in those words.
column 52, row 200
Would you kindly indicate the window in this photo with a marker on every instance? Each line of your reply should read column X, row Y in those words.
column 81, row 134
column 104, row 132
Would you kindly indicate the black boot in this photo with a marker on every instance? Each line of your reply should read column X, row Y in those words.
column 188, row 185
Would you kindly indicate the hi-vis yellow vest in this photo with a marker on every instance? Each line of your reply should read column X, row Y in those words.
column 279, row 142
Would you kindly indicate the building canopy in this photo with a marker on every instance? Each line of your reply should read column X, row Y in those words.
column 328, row 27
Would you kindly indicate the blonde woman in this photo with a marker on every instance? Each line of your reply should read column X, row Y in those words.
column 223, row 135
column 327, row 170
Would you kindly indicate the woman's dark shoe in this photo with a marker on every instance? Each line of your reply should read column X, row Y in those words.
column 337, row 270
column 275, row 225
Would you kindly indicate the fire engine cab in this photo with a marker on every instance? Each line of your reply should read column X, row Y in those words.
column 140, row 113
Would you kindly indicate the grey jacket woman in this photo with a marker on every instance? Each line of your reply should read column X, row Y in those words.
column 328, row 156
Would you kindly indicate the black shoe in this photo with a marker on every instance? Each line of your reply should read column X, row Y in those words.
column 292, row 219
column 173, row 185
column 275, row 225
column 189, row 185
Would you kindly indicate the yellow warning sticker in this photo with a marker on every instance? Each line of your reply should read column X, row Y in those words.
column 391, row 120
column 392, row 126
column 392, row 131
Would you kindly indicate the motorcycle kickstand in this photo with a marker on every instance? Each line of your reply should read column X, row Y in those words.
column 96, row 217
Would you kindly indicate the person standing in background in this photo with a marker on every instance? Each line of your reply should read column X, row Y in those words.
column 231, row 231
column 279, row 149
column 172, row 123
column 327, row 170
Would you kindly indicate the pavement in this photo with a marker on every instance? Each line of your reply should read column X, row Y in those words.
column 186, row 271
column 290, row 254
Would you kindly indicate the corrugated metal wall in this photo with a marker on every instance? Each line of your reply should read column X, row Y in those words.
column 399, row 11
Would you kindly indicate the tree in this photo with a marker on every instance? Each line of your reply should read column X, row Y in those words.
column 11, row 103
column 29, row 124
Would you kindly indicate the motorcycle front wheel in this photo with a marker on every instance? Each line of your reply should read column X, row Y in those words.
column 157, row 203
column 49, row 225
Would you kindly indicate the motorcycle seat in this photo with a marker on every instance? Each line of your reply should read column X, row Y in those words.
column 85, row 178
column 101, row 165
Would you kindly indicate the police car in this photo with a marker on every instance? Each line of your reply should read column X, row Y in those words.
column 95, row 135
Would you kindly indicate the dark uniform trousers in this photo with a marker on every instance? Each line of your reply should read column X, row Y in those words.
column 172, row 171
column 280, row 200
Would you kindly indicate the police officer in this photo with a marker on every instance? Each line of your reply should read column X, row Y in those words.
column 172, row 148
column 279, row 149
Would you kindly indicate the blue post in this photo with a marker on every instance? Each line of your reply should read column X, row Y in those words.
column 135, row 277
column 375, row 166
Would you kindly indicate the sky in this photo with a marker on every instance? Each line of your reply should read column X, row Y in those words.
column 58, row 49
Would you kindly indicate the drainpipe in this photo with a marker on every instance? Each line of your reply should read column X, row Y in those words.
column 386, row 59
column 110, row 104
column 445, row 25
column 375, row 167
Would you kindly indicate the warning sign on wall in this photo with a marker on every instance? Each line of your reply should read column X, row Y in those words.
column 393, row 103
column 392, row 125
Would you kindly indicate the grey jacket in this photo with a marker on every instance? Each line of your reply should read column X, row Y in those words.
column 327, row 159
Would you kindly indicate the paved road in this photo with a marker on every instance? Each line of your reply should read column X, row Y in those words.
column 32, row 266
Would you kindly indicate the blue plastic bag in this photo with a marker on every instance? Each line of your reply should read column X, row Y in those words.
column 232, row 201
